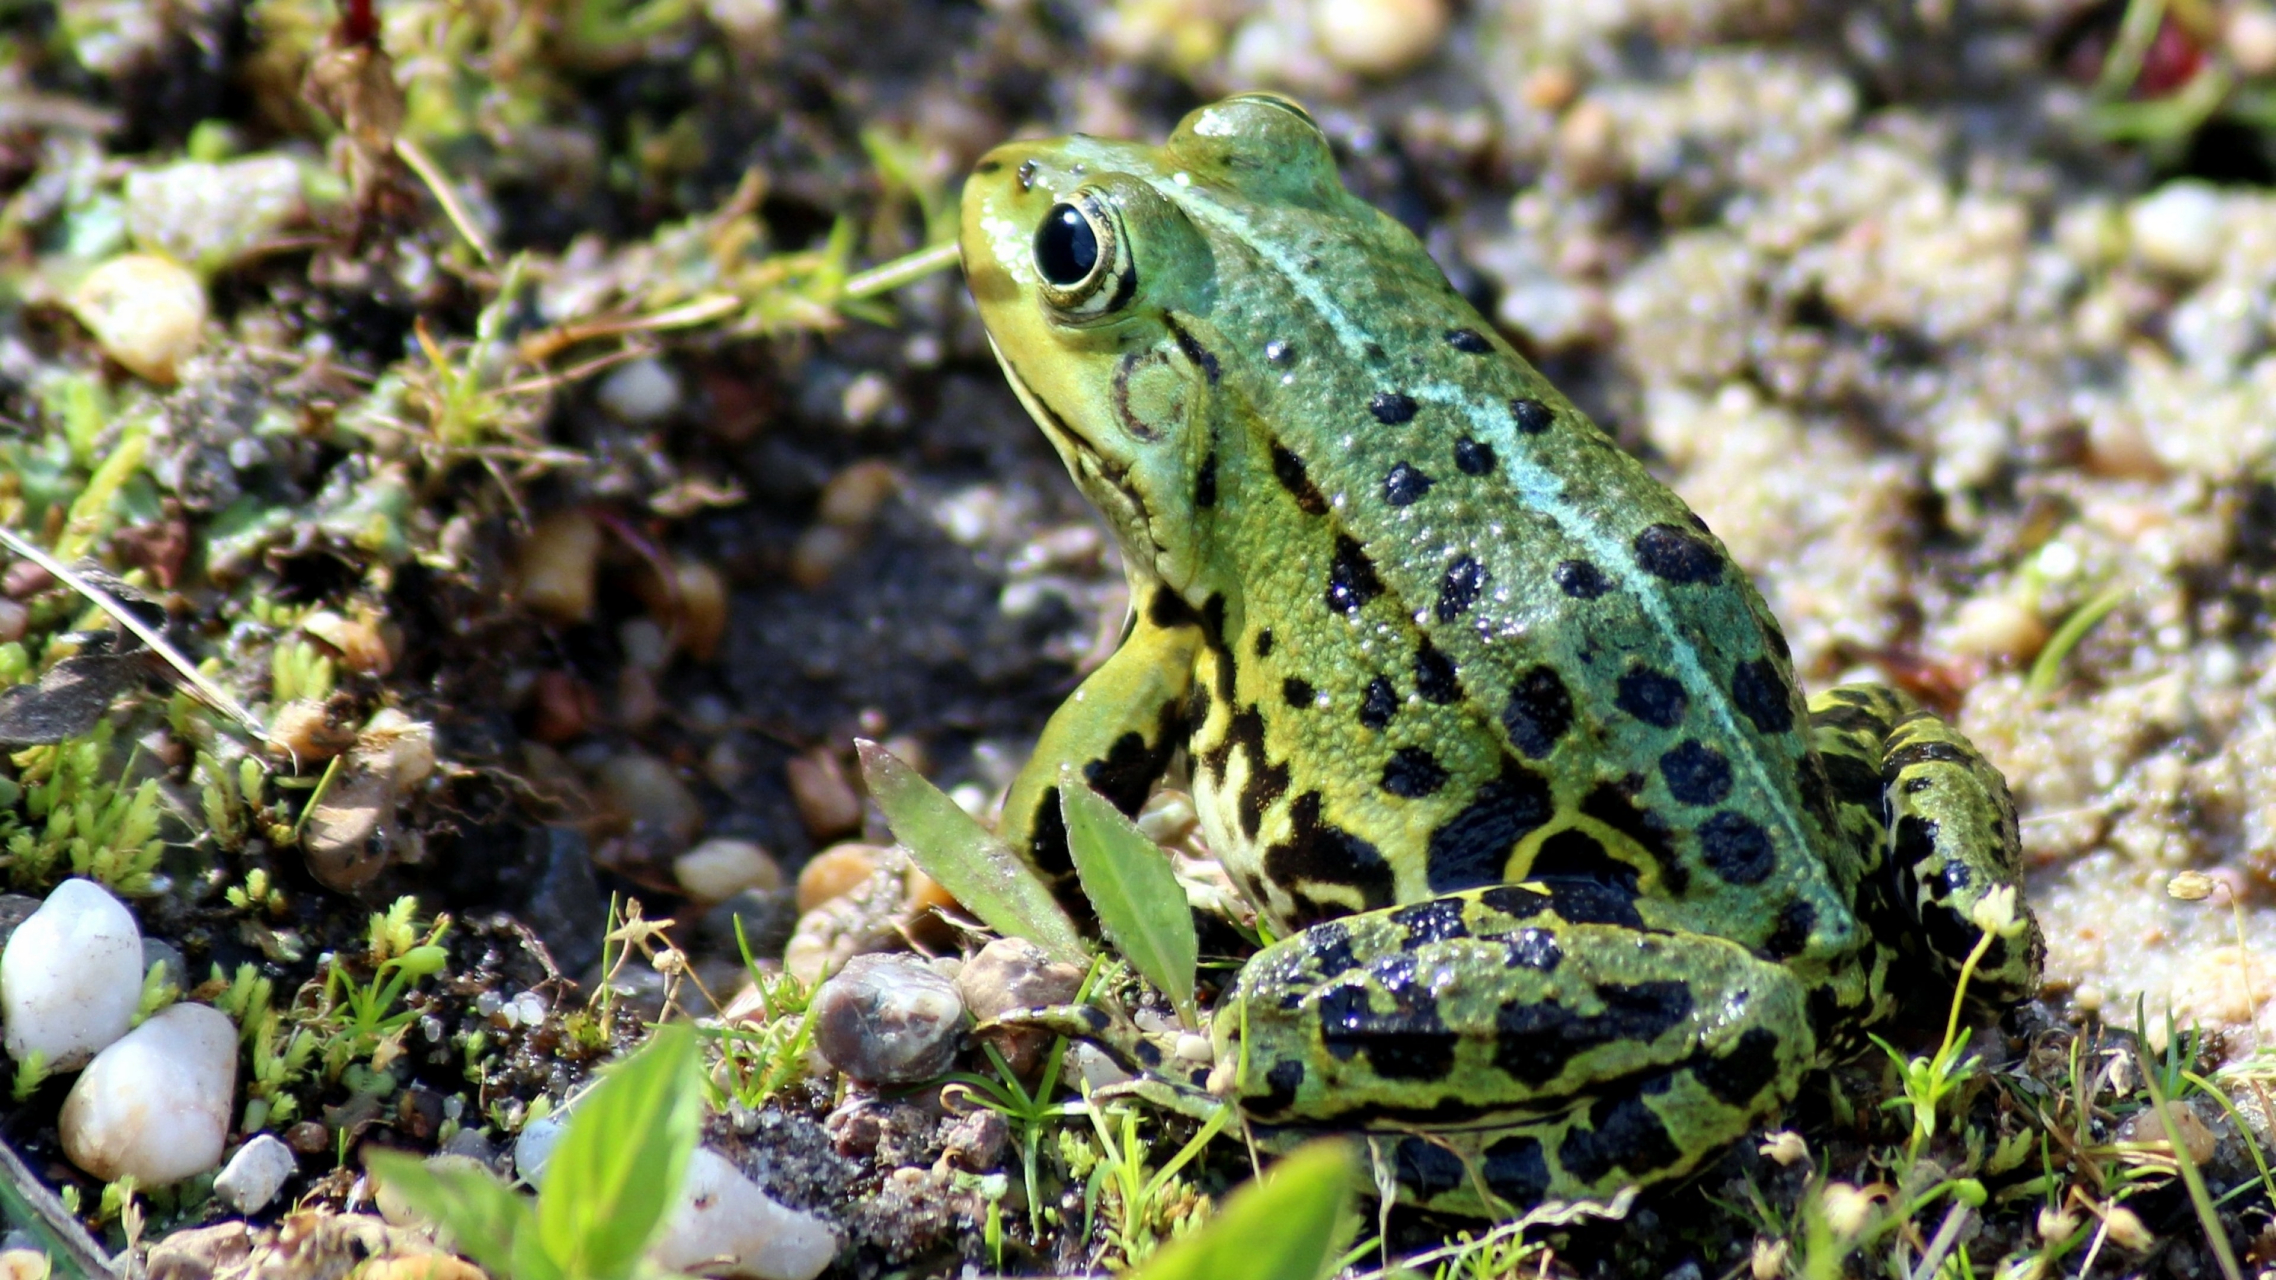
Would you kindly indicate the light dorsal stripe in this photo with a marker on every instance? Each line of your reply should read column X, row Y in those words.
column 1541, row 489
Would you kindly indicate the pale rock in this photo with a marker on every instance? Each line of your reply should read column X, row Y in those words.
column 1379, row 37
column 71, row 977
column 640, row 392
column 212, row 214
column 726, row 1226
column 156, row 1104
column 534, row 1146
column 888, row 1019
column 720, row 868
column 253, row 1176
column 2177, row 228
column 147, row 312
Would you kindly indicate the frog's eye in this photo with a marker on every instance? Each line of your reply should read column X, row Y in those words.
column 1083, row 259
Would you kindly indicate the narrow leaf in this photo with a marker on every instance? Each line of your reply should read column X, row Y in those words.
column 616, row 1174
column 966, row 858
column 1280, row 1227
column 481, row 1214
column 1139, row 902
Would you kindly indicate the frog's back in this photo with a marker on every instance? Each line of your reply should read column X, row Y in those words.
column 1502, row 634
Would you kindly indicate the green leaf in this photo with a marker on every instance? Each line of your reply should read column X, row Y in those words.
column 617, row 1173
column 1280, row 1227
column 1138, row 899
column 482, row 1215
column 966, row 858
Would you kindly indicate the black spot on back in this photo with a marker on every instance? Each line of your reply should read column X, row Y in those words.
column 1616, row 808
column 1289, row 470
column 1531, row 416
column 1911, row 754
column 1205, row 483
column 1473, row 847
column 1392, row 408
column 1409, row 1041
column 1127, row 772
column 1297, row 692
column 1434, row 675
column 1279, row 351
column 1763, row 696
column 1535, row 1041
column 1793, row 932
column 1626, row 1134
column 1517, row 1170
column 1854, row 781
column 1539, row 711
column 1413, row 773
column 1434, row 921
column 1736, row 848
column 1380, row 704
column 1654, row 697
column 1318, row 851
column 1740, row 1074
column 1263, row 642
column 1573, row 854
column 1464, row 579
column 1351, row 577
column 1916, row 839
column 1404, row 485
column 1168, row 610
column 1283, row 1079
column 1580, row 579
column 1473, row 457
column 1593, row 902
column 1534, row 949
column 1677, row 555
column 1426, row 1168
column 1696, row 773
column 1468, row 340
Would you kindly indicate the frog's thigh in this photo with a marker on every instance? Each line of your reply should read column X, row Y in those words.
column 1947, row 833
column 1118, row 729
column 1559, row 1059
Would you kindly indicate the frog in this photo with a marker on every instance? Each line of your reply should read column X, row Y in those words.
column 1567, row 886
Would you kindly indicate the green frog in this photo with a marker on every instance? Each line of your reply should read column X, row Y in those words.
column 1572, row 888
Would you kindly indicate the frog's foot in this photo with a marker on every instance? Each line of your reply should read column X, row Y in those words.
column 1540, row 1034
column 1938, row 819
column 1150, row 1056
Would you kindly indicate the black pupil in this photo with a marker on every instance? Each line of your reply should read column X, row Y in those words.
column 1066, row 249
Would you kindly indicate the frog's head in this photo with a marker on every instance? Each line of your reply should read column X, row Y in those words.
column 1099, row 288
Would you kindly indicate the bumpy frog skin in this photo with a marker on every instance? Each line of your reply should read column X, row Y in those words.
column 1572, row 887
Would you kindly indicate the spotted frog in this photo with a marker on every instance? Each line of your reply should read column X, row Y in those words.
column 1572, row 888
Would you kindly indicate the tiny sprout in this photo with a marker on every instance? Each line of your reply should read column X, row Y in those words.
column 1847, row 1208
column 1786, row 1147
column 2191, row 886
column 422, row 961
column 1994, row 913
column 2126, row 1229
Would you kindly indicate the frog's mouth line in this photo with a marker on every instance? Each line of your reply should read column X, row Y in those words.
column 1139, row 519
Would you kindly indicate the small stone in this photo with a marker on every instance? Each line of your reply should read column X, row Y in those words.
column 2250, row 38
column 253, row 1176
column 1996, row 626
column 309, row 1137
column 201, row 1253
column 534, row 1146
column 827, row 802
column 649, row 793
column 71, row 977
column 156, row 1104
column 1013, row 973
column 2178, row 228
column 725, row 1225
column 888, row 1019
column 640, row 392
column 15, row 619
column 212, row 214
column 835, row 872
column 720, row 868
column 1379, row 37
column 852, row 497
column 557, row 565
column 147, row 312
column 23, row 1264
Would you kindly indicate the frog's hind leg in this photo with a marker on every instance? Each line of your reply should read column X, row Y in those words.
column 1938, row 830
column 1523, row 1042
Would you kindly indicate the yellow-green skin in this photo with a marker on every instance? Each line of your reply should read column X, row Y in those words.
column 1573, row 888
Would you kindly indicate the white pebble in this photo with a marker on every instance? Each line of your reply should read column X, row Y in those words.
column 640, row 392
column 1378, row 37
column 252, row 1177
column 535, row 1146
column 147, row 312
column 156, row 1104
column 71, row 977
column 2177, row 228
column 720, row 868
column 726, row 1226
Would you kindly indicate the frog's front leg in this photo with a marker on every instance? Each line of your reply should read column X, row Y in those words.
column 1530, row 1041
column 1937, row 829
column 1118, row 729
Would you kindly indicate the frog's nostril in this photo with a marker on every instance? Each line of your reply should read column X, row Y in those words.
column 1066, row 249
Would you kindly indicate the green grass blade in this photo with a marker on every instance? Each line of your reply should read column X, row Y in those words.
column 1281, row 1227
column 966, row 858
column 616, row 1175
column 481, row 1214
column 1139, row 902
